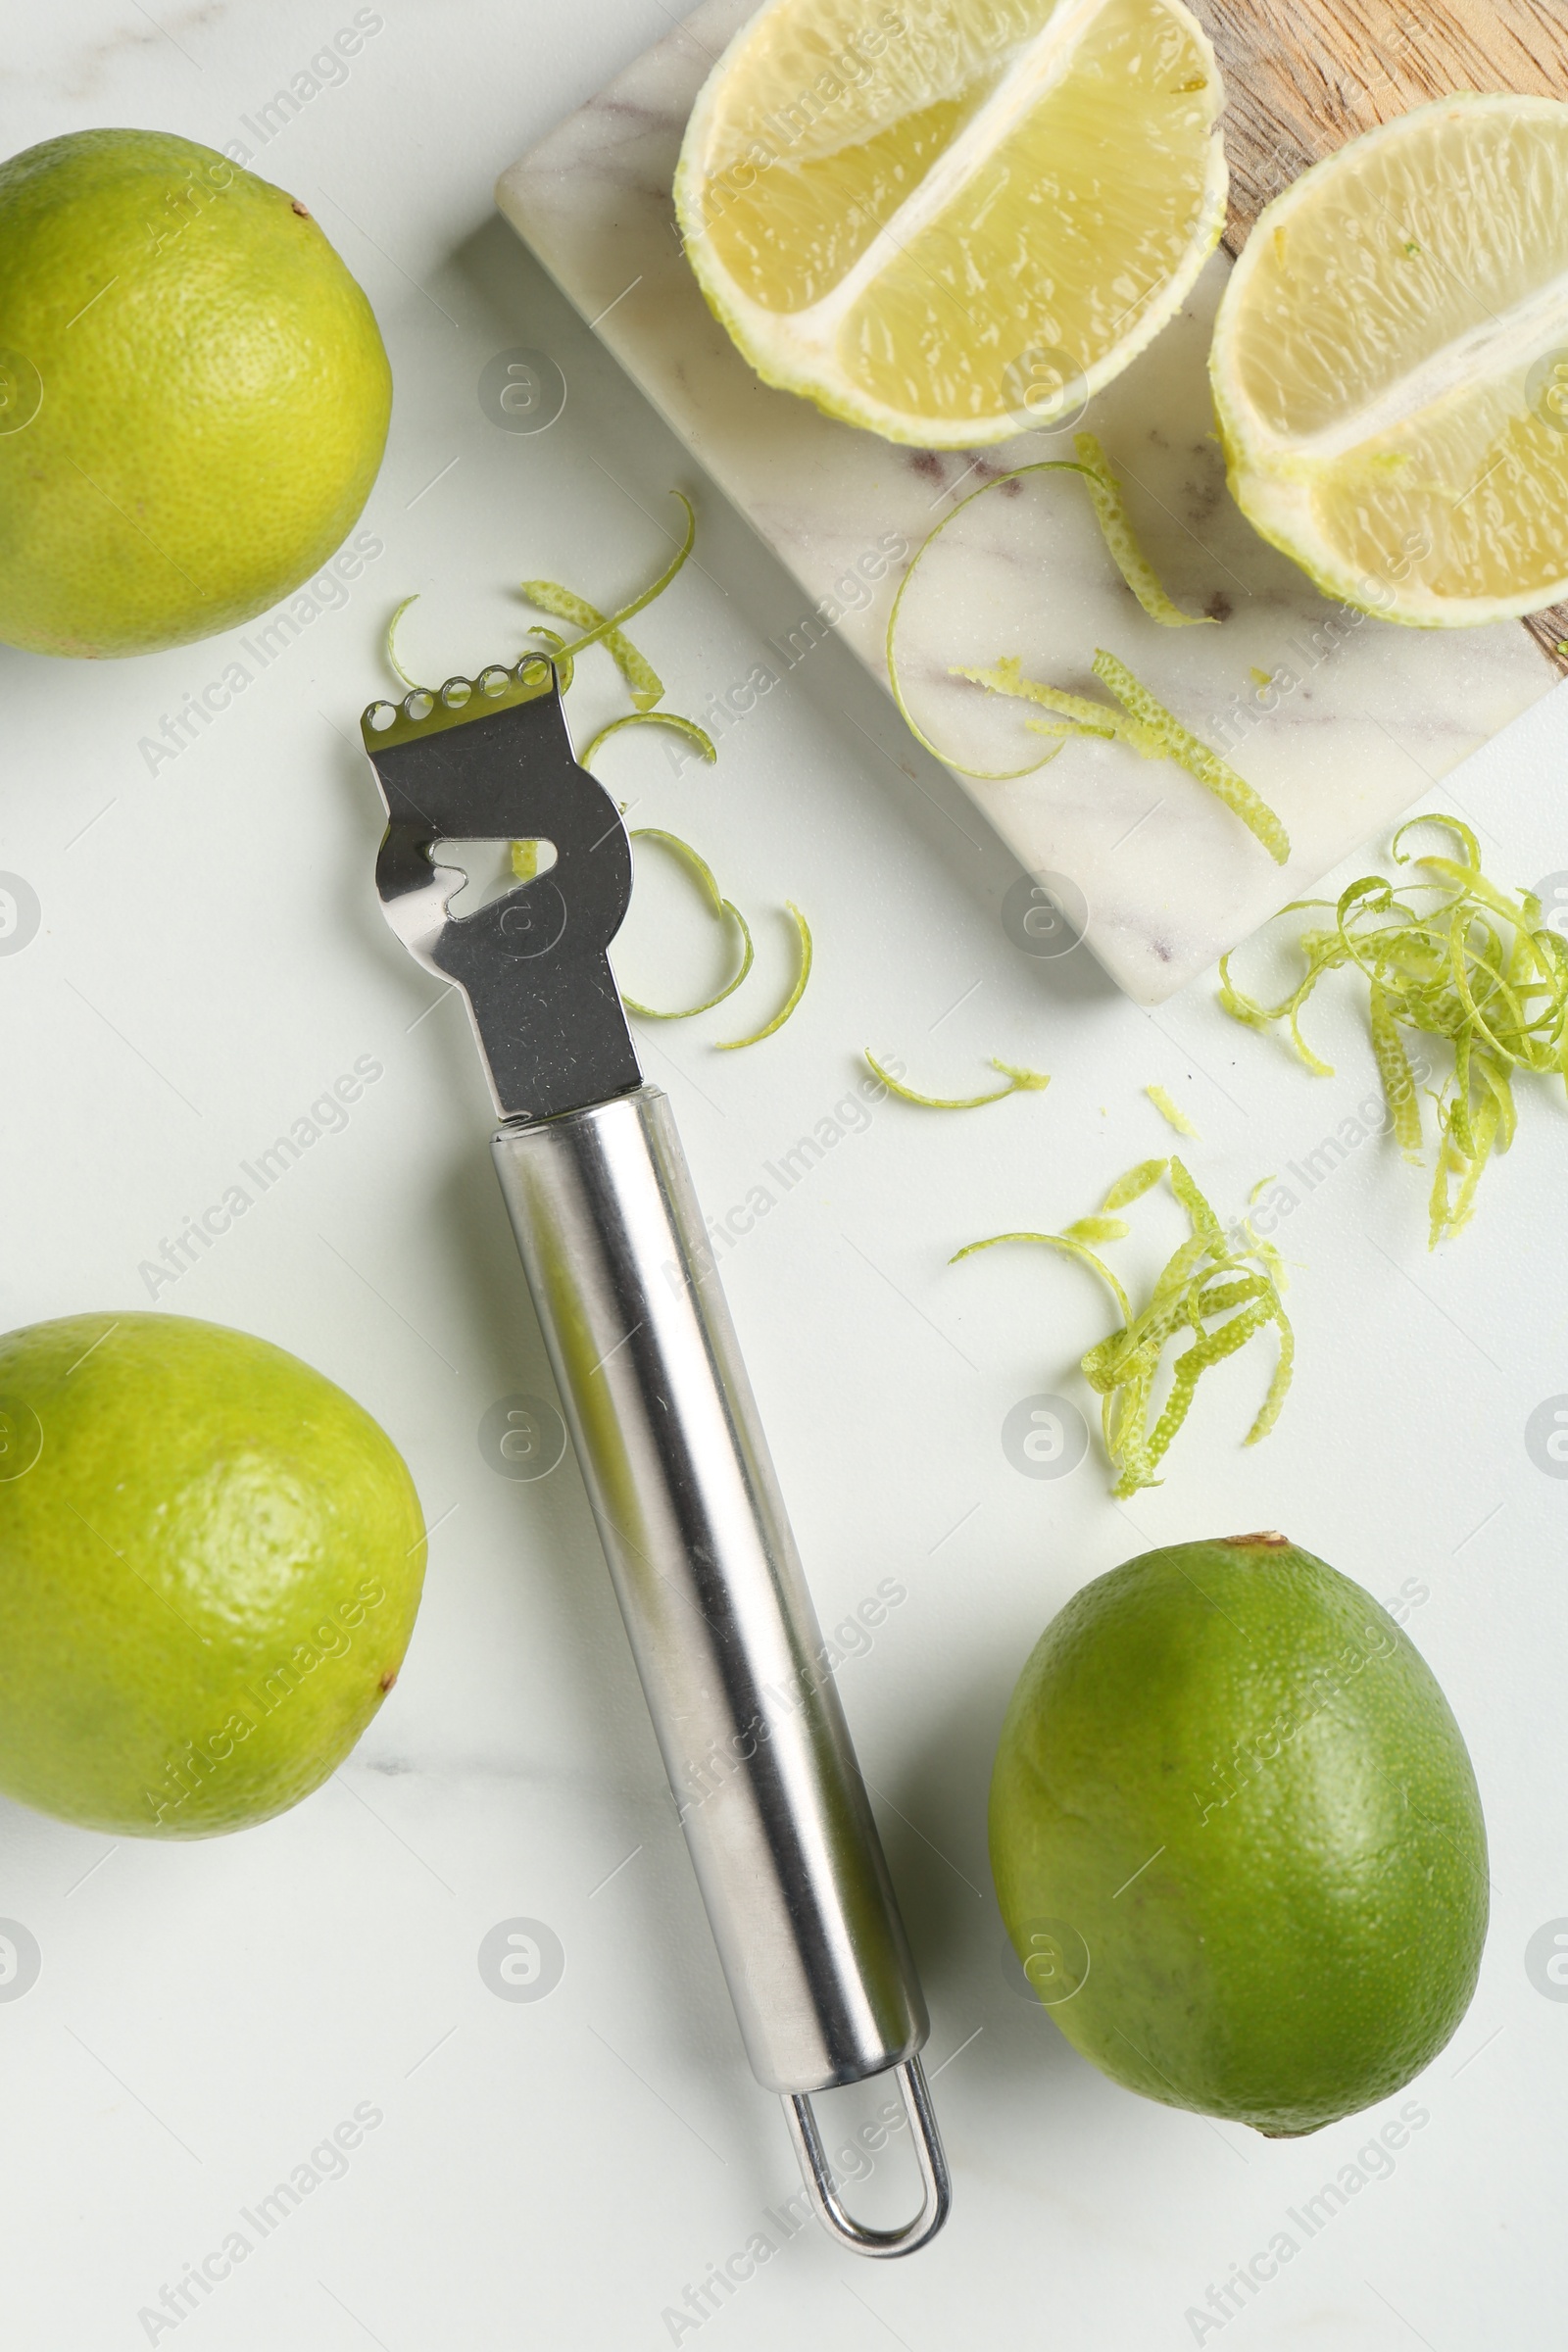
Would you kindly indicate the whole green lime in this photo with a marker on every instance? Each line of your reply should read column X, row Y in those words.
column 210, row 1565
column 195, row 394
column 1236, row 1837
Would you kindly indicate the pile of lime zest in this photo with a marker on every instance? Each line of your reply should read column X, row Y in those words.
column 1144, row 725
column 803, row 973
column 1222, row 1296
column 724, row 909
column 1126, row 553
column 1171, row 1112
column 1019, row 1082
column 1121, row 543
column 688, row 727
column 1454, row 958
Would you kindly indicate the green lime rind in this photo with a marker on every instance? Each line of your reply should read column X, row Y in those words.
column 643, row 681
column 1142, row 724
column 1126, row 549
column 695, row 735
column 803, row 974
column 564, row 604
column 724, row 908
column 1019, row 1082
column 1237, row 1839
column 1076, row 715
column 1215, row 774
column 983, row 775
column 1170, row 1112
column 1450, row 957
column 389, row 646
column 208, row 1575
column 1133, row 1186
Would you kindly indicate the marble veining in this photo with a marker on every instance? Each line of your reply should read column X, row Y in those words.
column 1341, row 721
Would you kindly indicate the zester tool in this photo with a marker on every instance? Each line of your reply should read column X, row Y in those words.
column 661, row 1411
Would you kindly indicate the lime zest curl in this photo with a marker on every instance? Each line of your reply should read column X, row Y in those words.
column 983, row 775
column 723, row 909
column 1215, row 774
column 1172, row 1114
column 651, row 719
column 646, row 690
column 1448, row 956
column 390, row 649
column 1126, row 552
column 1223, row 1297
column 643, row 682
column 803, row 973
column 1019, row 1082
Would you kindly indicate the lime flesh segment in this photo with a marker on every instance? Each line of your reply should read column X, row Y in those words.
column 1391, row 365
column 916, row 222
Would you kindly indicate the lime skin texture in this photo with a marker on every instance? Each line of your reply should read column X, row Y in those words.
column 195, row 394
column 1237, row 1837
column 210, row 1565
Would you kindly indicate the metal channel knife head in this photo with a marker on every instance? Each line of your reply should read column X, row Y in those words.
column 490, row 758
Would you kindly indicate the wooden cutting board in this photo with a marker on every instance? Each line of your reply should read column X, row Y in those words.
column 1302, row 76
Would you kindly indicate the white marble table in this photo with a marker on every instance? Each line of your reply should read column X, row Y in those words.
column 1339, row 722
column 209, row 957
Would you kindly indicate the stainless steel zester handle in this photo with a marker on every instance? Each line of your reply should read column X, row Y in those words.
column 721, row 1625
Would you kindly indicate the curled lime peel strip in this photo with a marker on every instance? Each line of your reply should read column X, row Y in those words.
column 555, row 644
column 1068, row 1247
column 652, row 719
column 1222, row 1297
column 1198, row 758
column 983, row 775
column 1116, row 529
column 643, row 681
column 1121, row 543
column 1020, row 1080
column 389, row 648
column 607, row 628
column 697, row 865
column 1171, row 1113
column 803, row 973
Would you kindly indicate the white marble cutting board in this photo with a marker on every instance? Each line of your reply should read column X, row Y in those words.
column 1342, row 722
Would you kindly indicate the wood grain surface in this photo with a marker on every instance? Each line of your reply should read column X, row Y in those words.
column 1302, row 76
